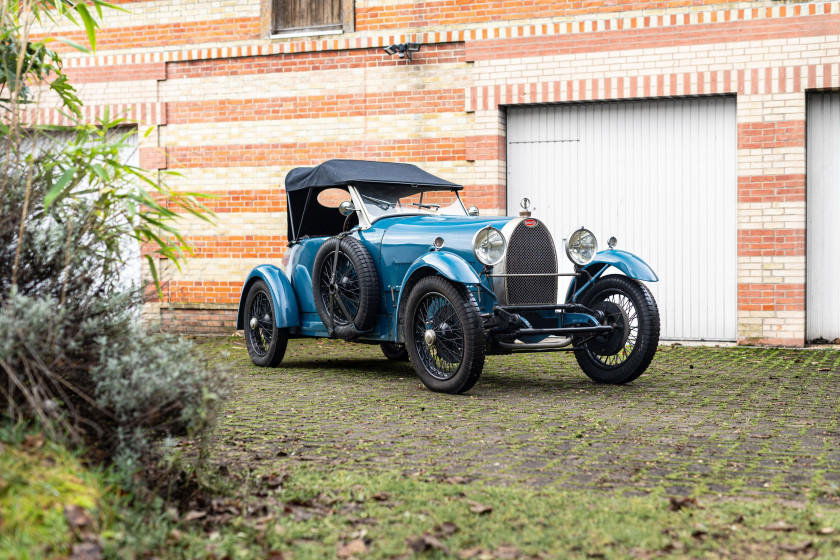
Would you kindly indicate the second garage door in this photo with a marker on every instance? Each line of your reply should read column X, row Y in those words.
column 660, row 176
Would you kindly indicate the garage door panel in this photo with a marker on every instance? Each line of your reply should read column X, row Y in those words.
column 660, row 176
column 823, row 219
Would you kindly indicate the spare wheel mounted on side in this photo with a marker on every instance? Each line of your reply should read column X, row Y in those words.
column 345, row 287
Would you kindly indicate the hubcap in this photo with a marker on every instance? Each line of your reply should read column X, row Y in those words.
column 430, row 337
column 254, row 322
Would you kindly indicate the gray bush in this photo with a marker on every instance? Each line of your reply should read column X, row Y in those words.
column 73, row 353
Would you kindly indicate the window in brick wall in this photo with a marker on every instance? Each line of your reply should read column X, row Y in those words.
column 312, row 17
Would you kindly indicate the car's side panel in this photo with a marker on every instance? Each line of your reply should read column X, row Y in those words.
column 282, row 295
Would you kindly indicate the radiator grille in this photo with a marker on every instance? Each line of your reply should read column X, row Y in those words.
column 531, row 250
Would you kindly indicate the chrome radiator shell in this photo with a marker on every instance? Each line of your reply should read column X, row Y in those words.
column 530, row 250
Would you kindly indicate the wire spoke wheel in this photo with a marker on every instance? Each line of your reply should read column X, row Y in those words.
column 632, row 326
column 345, row 287
column 340, row 283
column 260, row 337
column 439, row 336
column 444, row 335
column 624, row 354
column 266, row 342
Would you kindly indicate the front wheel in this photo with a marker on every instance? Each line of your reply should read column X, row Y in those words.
column 265, row 341
column 625, row 354
column 444, row 335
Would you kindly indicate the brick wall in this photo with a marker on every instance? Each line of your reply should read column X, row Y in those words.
column 236, row 110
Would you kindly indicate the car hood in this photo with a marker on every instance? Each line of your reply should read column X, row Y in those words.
column 407, row 237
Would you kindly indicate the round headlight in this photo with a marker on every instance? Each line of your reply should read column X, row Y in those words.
column 581, row 247
column 489, row 246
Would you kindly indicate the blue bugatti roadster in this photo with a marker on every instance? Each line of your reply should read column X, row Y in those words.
column 386, row 253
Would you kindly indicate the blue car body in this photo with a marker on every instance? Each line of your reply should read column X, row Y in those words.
column 387, row 253
column 402, row 248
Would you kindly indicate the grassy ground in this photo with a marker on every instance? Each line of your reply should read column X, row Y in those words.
column 570, row 468
column 713, row 453
column 39, row 482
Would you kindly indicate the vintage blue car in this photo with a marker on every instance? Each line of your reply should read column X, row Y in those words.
column 386, row 253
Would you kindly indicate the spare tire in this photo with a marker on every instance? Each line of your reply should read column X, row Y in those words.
column 347, row 300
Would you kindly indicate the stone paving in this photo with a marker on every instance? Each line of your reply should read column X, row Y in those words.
column 723, row 421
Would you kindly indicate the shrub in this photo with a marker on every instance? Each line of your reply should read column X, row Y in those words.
column 73, row 353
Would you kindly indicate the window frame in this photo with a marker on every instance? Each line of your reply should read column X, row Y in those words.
column 269, row 12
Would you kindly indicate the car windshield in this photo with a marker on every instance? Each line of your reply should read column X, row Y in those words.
column 392, row 201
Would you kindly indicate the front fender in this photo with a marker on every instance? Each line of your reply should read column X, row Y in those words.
column 286, row 309
column 628, row 263
column 449, row 265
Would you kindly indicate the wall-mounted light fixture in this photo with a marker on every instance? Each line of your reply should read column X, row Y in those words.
column 403, row 50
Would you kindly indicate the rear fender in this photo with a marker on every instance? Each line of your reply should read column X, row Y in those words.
column 449, row 265
column 286, row 309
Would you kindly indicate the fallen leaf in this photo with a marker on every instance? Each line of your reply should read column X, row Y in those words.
column 426, row 542
column 827, row 531
column 479, row 508
column 699, row 531
column 456, row 480
column 174, row 536
column 76, row 516
column 356, row 546
column 34, row 441
column 779, row 526
column 194, row 515
column 274, row 480
column 761, row 436
column 381, row 496
column 798, row 547
column 507, row 552
column 825, row 369
column 468, row 553
column 446, row 529
column 86, row 551
column 677, row 503
column 275, row 555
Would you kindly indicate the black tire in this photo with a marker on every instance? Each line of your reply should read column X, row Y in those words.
column 266, row 343
column 606, row 359
column 453, row 362
column 393, row 351
column 356, row 292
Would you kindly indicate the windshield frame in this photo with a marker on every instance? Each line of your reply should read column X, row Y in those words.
column 366, row 220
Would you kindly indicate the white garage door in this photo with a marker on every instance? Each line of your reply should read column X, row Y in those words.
column 660, row 176
column 823, row 200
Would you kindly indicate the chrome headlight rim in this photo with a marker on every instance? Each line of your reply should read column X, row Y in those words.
column 575, row 256
column 475, row 248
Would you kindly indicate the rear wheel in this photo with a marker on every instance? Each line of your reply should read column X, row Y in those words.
column 444, row 336
column 393, row 351
column 265, row 341
column 625, row 354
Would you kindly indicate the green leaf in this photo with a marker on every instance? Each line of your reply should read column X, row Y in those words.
column 90, row 24
column 73, row 44
column 58, row 187
column 153, row 270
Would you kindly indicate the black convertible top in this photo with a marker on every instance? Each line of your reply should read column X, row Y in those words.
column 342, row 172
column 307, row 217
